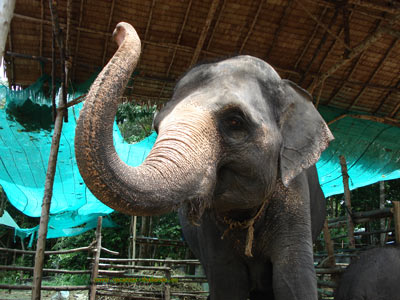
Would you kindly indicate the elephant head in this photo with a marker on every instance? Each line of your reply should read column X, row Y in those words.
column 231, row 131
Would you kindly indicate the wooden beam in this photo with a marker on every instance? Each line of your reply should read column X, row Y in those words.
column 383, row 120
column 310, row 39
column 331, row 49
column 365, row 44
column 379, row 6
column 74, row 60
column 281, row 22
column 153, row 3
column 346, row 80
column 220, row 13
column 319, row 95
column 320, row 44
column 395, row 111
column 253, row 23
column 41, row 33
column 346, row 28
column 103, row 61
column 391, row 31
column 389, row 7
column 177, row 43
column 385, row 98
column 371, row 77
column 301, row 4
column 204, row 32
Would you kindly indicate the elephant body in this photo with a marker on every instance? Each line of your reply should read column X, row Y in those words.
column 233, row 275
column 374, row 275
column 235, row 154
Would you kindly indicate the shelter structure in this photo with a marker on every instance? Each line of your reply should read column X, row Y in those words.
column 345, row 53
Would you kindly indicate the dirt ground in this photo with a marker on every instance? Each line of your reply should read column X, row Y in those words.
column 46, row 295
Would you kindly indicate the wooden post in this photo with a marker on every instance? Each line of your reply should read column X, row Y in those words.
column 329, row 245
column 134, row 223
column 95, row 267
column 396, row 216
column 6, row 14
column 350, row 224
column 167, row 286
column 44, row 217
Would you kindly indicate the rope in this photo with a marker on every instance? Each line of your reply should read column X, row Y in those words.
column 249, row 224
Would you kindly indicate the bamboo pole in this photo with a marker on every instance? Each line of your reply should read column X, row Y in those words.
column 204, row 32
column 396, row 214
column 347, row 199
column 44, row 217
column 95, row 268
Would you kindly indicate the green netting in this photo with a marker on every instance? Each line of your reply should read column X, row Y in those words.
column 372, row 151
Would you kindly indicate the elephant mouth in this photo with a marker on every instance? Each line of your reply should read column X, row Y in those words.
column 236, row 192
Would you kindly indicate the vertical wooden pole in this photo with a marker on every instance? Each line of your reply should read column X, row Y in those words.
column 396, row 216
column 381, row 206
column 350, row 224
column 167, row 286
column 95, row 267
column 329, row 245
column 134, row 238
column 44, row 217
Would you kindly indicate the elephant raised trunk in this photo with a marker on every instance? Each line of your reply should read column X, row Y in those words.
column 171, row 172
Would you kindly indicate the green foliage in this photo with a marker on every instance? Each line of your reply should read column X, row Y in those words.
column 71, row 261
column 168, row 227
column 135, row 121
column 13, row 277
column 68, row 279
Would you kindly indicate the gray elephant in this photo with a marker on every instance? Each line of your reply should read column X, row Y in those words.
column 235, row 155
column 374, row 275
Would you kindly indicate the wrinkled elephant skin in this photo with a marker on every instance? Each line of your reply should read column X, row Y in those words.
column 235, row 153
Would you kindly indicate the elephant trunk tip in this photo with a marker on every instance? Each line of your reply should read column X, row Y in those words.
column 121, row 31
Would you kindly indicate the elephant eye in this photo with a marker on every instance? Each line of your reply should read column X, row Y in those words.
column 235, row 122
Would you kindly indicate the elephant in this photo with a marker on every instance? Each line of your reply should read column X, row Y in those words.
column 374, row 275
column 235, row 156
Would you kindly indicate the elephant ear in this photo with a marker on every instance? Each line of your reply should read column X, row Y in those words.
column 304, row 132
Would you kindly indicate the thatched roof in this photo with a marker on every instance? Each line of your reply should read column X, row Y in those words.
column 345, row 52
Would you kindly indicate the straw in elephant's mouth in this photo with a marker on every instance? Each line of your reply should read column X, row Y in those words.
column 195, row 207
